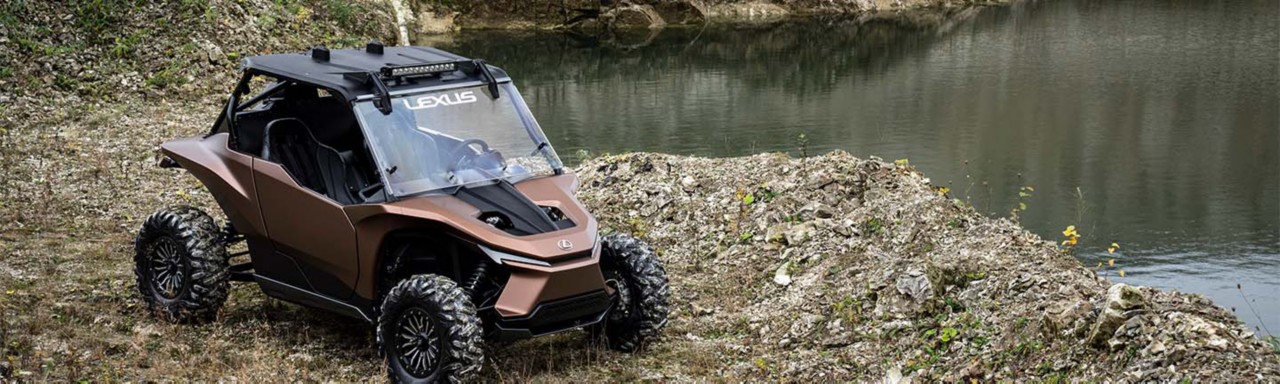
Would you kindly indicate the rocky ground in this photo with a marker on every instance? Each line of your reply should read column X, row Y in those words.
column 839, row 268
column 826, row 268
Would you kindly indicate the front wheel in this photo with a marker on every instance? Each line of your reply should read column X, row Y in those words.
column 181, row 265
column 429, row 332
column 640, row 308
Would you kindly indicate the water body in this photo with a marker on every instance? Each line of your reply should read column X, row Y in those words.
column 1151, row 124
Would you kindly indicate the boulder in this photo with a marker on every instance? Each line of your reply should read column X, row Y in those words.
column 915, row 284
column 681, row 12
column 782, row 276
column 1122, row 302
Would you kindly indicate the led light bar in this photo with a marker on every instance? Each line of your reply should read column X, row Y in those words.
column 418, row 70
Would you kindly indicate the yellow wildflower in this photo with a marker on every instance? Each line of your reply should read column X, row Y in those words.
column 304, row 13
column 1121, row 273
column 1111, row 262
column 1113, row 248
column 1070, row 231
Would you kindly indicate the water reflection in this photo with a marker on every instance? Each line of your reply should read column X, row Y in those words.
column 1147, row 123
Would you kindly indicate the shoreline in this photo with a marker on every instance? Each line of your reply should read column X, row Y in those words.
column 426, row 20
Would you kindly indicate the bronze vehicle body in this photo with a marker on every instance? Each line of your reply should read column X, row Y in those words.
column 381, row 183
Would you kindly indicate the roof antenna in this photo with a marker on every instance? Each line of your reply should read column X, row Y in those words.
column 320, row 53
column 374, row 47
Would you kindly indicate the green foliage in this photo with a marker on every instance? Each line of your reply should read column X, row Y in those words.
column 582, row 155
column 873, row 226
column 193, row 8
column 1024, row 193
column 291, row 6
column 65, row 82
column 97, row 17
column 761, row 194
column 342, row 11
column 948, row 334
column 937, row 343
column 10, row 11
column 980, row 341
column 30, row 45
column 170, row 76
column 953, row 304
column 1275, row 343
column 848, row 309
column 123, row 46
column 1026, row 348
column 638, row 226
column 27, row 45
column 766, row 194
column 802, row 141
column 441, row 3
column 5, row 72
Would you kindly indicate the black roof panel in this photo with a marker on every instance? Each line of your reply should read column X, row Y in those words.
column 329, row 74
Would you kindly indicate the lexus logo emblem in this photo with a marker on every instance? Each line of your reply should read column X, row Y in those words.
column 564, row 244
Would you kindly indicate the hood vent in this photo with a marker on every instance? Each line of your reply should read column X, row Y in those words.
column 504, row 206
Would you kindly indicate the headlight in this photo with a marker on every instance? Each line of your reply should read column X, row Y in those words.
column 502, row 257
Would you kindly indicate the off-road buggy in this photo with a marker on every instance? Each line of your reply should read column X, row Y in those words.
column 408, row 187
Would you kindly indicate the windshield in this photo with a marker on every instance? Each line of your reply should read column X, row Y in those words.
column 440, row 139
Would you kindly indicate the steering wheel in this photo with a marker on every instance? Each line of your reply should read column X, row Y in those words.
column 463, row 158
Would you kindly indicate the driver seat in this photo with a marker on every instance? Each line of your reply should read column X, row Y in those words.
column 289, row 142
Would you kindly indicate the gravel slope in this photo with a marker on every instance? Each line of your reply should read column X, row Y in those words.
column 838, row 267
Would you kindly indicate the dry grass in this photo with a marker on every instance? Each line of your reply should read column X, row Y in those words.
column 81, row 183
column 77, row 194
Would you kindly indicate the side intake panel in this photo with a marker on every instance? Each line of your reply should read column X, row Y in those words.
column 227, row 174
column 309, row 231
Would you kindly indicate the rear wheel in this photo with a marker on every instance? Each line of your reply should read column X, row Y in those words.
column 640, row 308
column 181, row 265
column 429, row 332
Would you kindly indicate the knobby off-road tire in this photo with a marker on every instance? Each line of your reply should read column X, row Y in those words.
column 429, row 332
column 181, row 265
column 640, row 312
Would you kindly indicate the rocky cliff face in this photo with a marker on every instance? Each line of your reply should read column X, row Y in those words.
column 839, row 268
